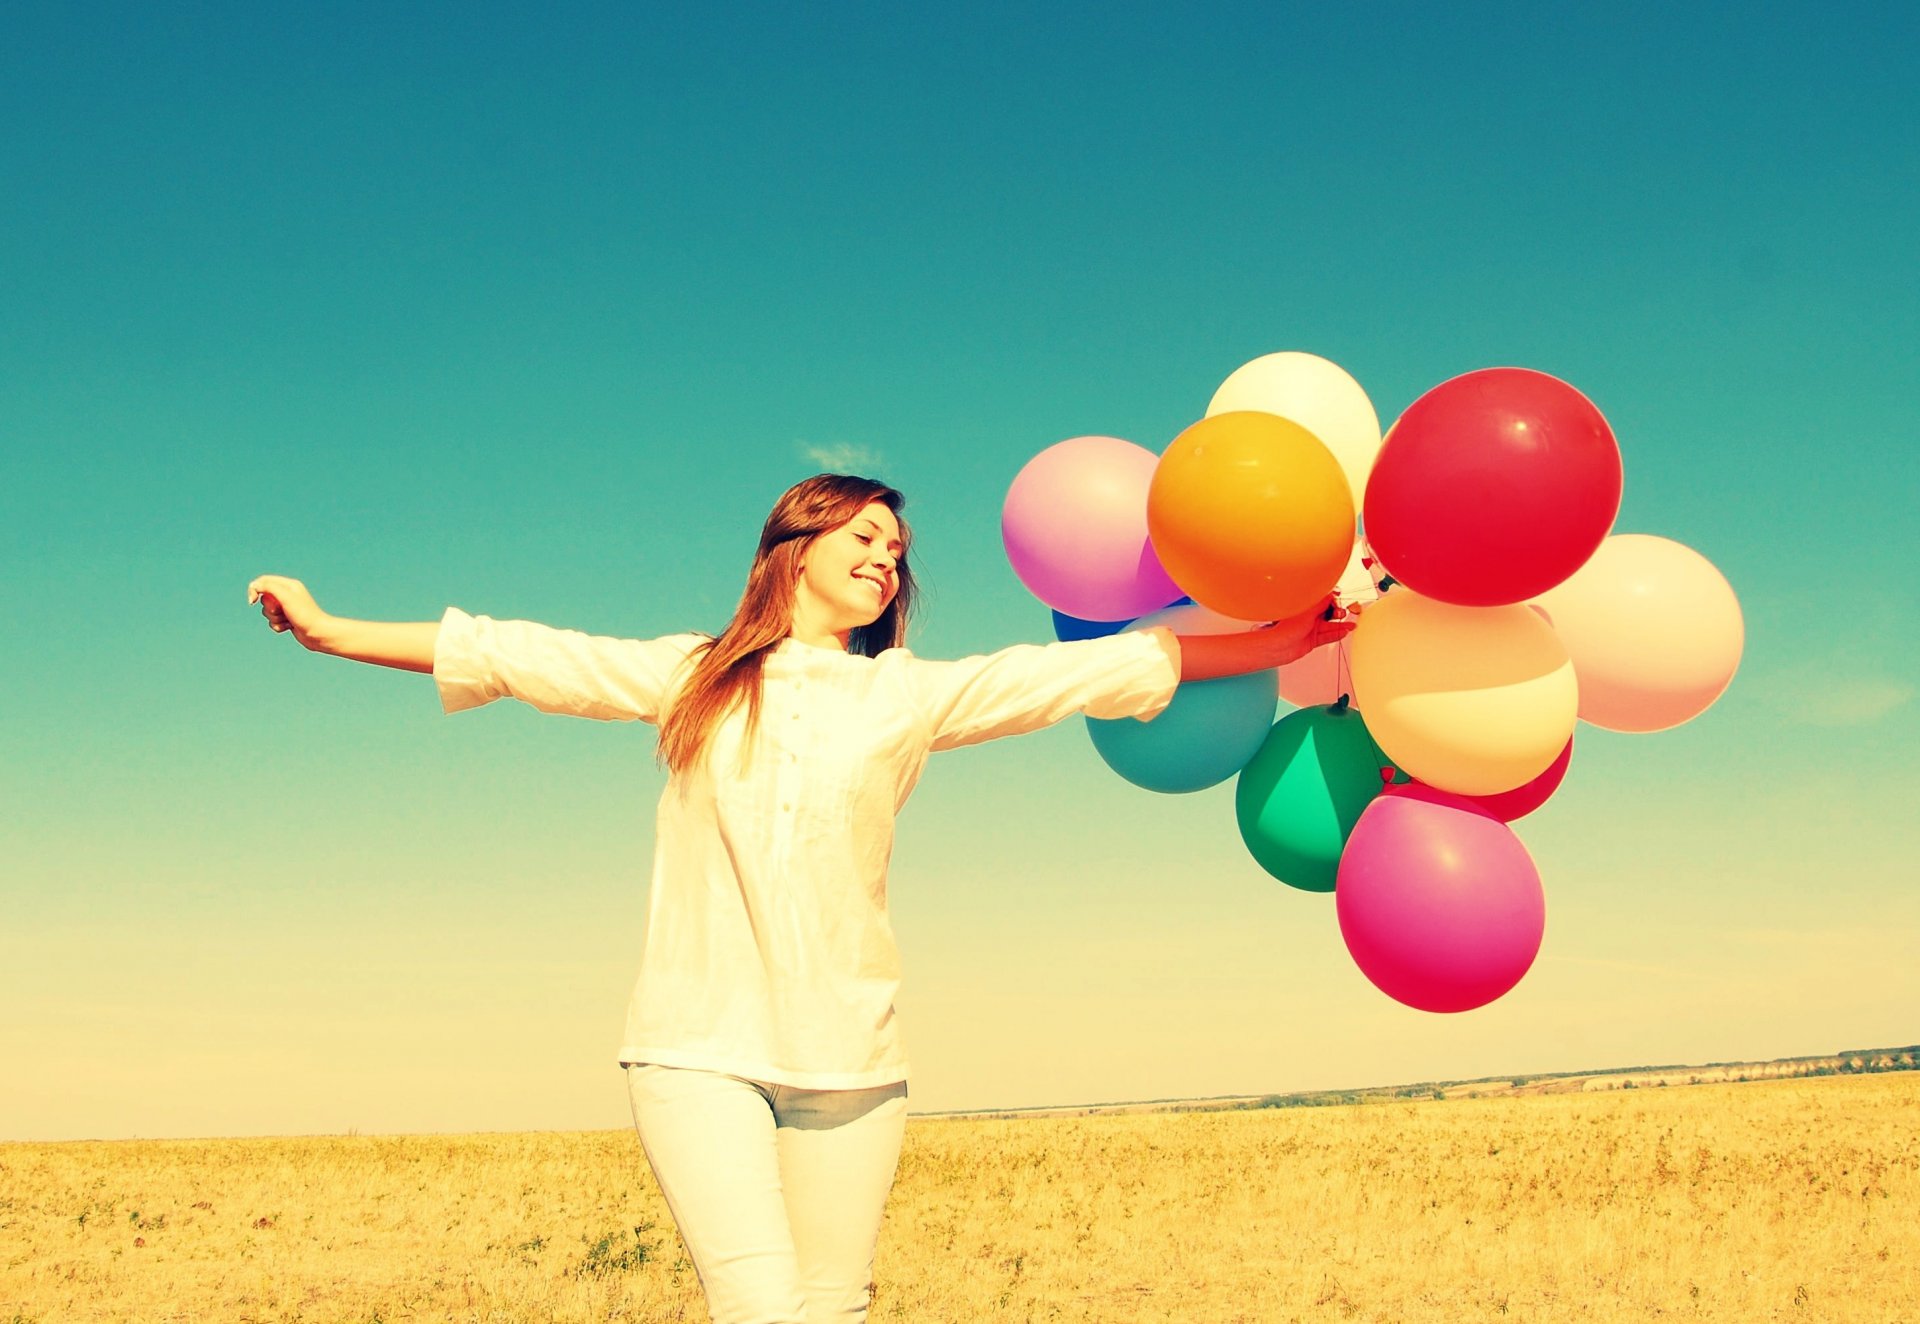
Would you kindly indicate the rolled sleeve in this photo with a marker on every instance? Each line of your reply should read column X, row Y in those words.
column 1030, row 686
column 477, row 659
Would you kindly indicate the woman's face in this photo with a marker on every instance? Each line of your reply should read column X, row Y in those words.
column 849, row 575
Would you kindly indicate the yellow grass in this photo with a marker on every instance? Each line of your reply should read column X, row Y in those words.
column 1782, row 1200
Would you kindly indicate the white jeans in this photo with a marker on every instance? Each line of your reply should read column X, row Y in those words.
column 777, row 1191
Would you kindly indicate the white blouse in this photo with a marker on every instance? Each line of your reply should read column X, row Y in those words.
column 768, row 950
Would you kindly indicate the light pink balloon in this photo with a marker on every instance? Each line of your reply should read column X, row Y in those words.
column 1654, row 631
column 1320, row 677
column 1439, row 903
column 1075, row 528
column 1323, row 675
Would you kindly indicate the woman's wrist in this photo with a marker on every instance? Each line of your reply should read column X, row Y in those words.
column 327, row 634
column 1208, row 656
column 406, row 645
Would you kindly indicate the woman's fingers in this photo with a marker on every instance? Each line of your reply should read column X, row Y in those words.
column 266, row 590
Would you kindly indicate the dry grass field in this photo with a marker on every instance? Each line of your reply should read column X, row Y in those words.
column 1789, row 1200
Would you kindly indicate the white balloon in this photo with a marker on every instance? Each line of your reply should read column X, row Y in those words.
column 1318, row 395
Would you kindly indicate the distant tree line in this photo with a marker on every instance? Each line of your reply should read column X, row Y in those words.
column 1851, row 1062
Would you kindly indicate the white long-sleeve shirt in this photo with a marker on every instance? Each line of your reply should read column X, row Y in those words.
column 768, row 951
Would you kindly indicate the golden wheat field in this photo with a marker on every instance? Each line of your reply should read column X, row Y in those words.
column 1795, row 1200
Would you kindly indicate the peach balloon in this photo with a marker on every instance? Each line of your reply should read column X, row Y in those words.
column 1251, row 515
column 1474, row 700
column 1654, row 631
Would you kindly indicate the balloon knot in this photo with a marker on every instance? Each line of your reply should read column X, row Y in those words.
column 1340, row 704
column 1387, row 582
column 1386, row 776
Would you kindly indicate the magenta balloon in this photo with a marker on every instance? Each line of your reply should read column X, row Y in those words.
column 1075, row 528
column 1439, row 903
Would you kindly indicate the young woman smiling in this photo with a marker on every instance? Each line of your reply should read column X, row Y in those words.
column 763, row 1062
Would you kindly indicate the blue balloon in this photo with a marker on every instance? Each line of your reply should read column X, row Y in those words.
column 1207, row 734
column 1068, row 628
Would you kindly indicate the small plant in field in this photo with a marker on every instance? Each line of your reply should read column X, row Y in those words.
column 612, row 1254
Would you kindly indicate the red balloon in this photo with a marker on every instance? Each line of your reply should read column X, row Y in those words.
column 1493, row 487
column 1523, row 800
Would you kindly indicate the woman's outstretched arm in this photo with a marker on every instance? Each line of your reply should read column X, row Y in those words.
column 1207, row 656
column 290, row 608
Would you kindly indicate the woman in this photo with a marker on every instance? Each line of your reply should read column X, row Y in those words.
column 763, row 1062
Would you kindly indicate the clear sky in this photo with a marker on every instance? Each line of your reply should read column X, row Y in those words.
column 536, row 312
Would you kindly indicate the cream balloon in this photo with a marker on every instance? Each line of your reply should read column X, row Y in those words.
column 1318, row 395
column 1475, row 700
column 1654, row 631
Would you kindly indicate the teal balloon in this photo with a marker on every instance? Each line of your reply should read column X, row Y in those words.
column 1303, row 790
column 1204, row 736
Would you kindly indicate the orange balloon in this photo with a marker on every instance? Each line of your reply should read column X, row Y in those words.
column 1251, row 515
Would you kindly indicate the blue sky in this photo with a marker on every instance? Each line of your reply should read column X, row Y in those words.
column 535, row 314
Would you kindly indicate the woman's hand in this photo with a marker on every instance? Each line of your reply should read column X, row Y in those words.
column 289, row 607
column 1209, row 656
column 1299, row 635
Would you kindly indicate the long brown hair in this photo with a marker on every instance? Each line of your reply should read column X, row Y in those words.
column 728, row 669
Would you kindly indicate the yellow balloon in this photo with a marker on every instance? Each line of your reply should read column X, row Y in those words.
column 1475, row 700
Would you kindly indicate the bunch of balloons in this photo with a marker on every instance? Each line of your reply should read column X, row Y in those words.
column 1495, row 609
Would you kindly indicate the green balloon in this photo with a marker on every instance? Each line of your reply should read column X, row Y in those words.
column 1299, row 797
